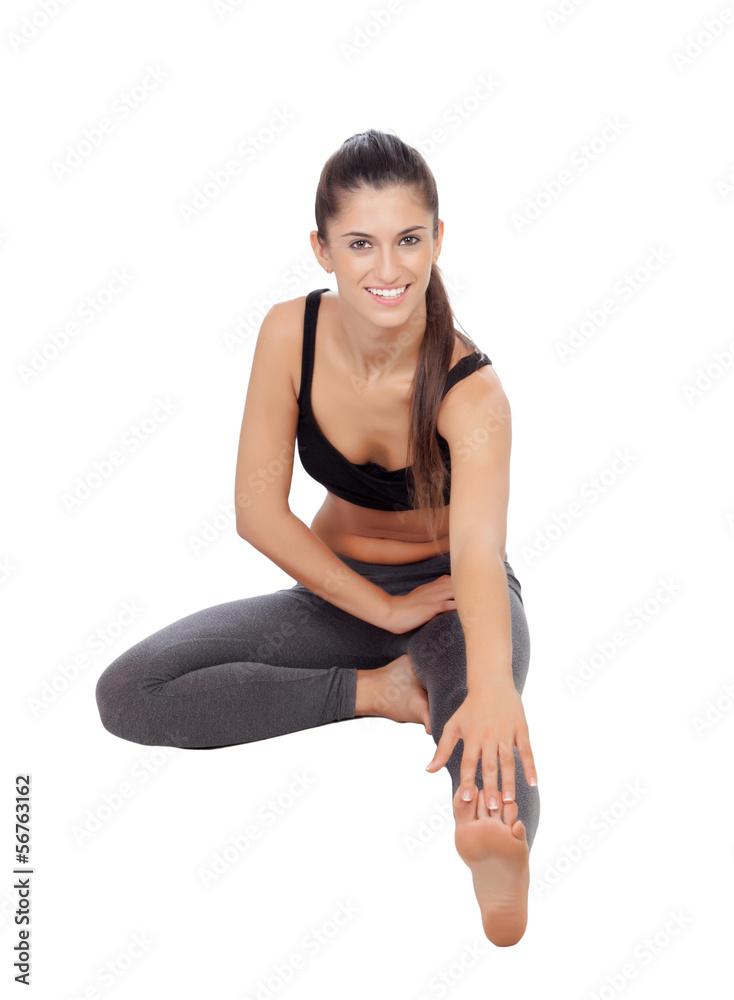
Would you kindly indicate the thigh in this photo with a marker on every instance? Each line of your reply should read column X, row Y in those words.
column 289, row 628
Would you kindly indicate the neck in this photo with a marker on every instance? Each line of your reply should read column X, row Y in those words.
column 375, row 351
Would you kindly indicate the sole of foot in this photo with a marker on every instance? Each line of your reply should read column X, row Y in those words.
column 495, row 848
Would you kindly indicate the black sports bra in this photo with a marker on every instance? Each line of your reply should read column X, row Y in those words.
column 368, row 484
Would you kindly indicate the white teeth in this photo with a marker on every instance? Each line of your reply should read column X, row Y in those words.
column 388, row 294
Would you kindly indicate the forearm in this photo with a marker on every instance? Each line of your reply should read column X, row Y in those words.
column 483, row 604
column 293, row 546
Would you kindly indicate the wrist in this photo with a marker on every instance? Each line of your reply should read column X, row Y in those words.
column 491, row 686
column 387, row 612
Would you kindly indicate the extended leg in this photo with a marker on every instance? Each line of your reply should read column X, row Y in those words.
column 438, row 653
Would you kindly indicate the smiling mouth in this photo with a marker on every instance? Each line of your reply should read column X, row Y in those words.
column 388, row 293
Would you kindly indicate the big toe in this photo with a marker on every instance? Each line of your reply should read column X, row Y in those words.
column 519, row 831
column 465, row 811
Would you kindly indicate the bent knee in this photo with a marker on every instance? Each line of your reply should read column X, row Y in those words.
column 126, row 709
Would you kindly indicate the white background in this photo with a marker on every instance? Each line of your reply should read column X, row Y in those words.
column 665, row 184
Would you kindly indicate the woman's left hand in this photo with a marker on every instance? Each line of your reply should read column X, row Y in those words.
column 491, row 723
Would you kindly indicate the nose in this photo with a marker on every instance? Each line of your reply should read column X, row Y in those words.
column 387, row 266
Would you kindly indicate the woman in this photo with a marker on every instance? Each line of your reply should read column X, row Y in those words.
column 406, row 606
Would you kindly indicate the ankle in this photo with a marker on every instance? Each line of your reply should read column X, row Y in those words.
column 364, row 703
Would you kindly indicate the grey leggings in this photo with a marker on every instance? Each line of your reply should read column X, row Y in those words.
column 277, row 663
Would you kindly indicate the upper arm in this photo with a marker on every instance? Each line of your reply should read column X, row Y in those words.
column 267, row 436
column 475, row 419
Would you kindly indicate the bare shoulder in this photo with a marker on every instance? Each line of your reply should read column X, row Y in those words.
column 473, row 400
column 283, row 325
column 284, row 316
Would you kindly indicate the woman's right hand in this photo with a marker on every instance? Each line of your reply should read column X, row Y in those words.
column 409, row 611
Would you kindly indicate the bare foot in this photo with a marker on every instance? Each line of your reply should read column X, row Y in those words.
column 392, row 692
column 495, row 848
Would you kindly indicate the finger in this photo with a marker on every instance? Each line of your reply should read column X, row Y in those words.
column 507, row 771
column 468, row 771
column 490, row 790
column 526, row 758
column 444, row 749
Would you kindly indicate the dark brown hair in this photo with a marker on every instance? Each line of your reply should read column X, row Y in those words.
column 378, row 159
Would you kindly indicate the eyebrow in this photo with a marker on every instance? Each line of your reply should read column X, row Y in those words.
column 403, row 232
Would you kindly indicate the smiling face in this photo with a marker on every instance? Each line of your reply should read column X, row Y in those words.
column 381, row 241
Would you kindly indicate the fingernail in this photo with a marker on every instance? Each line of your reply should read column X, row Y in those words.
column 507, row 797
column 429, row 766
column 533, row 782
column 493, row 803
column 466, row 795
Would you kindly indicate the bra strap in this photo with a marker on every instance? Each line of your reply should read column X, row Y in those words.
column 313, row 301
column 465, row 366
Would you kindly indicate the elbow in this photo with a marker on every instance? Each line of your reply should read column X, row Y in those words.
column 246, row 528
column 248, row 515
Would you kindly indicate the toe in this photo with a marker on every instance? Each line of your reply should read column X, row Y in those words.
column 509, row 813
column 519, row 831
column 465, row 811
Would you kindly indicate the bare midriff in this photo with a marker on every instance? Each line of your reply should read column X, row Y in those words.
column 378, row 536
